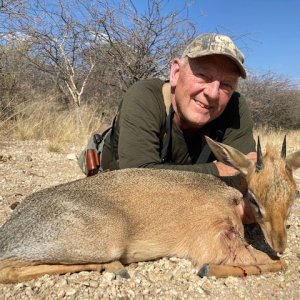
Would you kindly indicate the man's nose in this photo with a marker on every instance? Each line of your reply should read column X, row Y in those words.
column 212, row 90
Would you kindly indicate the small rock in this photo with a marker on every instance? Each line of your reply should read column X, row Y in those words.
column 37, row 284
column 70, row 291
column 28, row 291
column 60, row 293
column 146, row 291
column 28, row 158
column 138, row 280
column 20, row 286
column 72, row 156
column 231, row 281
column 62, row 281
column 93, row 283
column 109, row 276
column 14, row 205
column 24, row 157
column 84, row 273
column 5, row 158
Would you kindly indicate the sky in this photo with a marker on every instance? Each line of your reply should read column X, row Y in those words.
column 270, row 30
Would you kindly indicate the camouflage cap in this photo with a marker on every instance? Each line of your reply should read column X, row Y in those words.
column 213, row 43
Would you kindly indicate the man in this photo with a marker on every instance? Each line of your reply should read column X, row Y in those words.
column 148, row 132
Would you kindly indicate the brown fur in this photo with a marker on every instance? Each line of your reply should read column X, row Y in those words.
column 136, row 215
column 279, row 189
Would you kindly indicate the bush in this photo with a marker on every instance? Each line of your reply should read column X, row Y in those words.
column 273, row 100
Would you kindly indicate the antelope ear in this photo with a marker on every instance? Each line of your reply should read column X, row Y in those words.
column 293, row 160
column 231, row 156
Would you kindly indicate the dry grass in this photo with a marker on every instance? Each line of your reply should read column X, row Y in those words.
column 46, row 121
column 270, row 136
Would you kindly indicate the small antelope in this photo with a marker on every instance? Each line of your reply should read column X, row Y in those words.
column 132, row 215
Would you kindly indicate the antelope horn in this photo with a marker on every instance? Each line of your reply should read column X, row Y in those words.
column 259, row 162
column 283, row 149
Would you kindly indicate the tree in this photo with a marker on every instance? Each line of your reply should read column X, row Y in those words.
column 273, row 100
column 142, row 44
column 58, row 43
column 12, row 7
column 70, row 39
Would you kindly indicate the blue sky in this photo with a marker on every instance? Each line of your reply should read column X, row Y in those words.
column 271, row 29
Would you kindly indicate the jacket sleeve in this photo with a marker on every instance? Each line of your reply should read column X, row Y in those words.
column 239, row 133
column 140, row 123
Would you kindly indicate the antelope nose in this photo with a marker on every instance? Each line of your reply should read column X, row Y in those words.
column 281, row 245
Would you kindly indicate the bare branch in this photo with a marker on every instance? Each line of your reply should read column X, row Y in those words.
column 273, row 100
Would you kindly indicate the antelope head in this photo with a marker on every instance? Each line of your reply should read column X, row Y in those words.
column 271, row 186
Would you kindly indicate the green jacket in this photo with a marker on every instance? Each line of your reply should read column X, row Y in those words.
column 141, row 125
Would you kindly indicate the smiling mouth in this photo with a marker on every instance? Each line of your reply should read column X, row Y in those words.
column 202, row 105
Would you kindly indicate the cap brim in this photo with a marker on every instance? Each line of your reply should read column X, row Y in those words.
column 206, row 53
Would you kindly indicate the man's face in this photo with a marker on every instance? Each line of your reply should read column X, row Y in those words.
column 203, row 87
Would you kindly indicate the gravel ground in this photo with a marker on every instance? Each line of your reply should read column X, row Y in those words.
column 26, row 167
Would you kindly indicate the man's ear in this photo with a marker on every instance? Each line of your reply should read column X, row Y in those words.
column 174, row 74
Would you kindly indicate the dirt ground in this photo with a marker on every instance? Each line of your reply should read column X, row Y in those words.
column 28, row 166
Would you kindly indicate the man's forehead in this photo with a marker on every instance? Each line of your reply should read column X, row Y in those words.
column 218, row 63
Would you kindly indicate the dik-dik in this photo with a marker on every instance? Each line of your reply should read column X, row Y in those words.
column 132, row 215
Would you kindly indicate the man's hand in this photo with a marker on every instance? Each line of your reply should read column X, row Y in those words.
column 225, row 170
column 252, row 156
column 245, row 212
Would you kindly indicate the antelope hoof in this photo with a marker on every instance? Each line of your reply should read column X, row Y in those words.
column 204, row 271
column 123, row 273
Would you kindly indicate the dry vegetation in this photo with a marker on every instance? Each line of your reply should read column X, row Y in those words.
column 275, row 137
column 44, row 121
column 73, row 59
column 274, row 100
